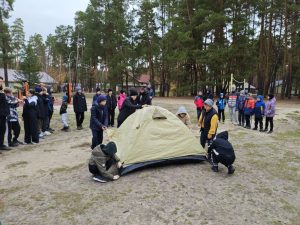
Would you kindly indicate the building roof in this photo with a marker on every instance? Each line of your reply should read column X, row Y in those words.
column 145, row 79
column 14, row 74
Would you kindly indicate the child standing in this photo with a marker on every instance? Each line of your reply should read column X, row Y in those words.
column 259, row 110
column 248, row 110
column 63, row 113
column 99, row 121
column 221, row 103
column 270, row 112
column 12, row 119
column 199, row 103
column 30, row 117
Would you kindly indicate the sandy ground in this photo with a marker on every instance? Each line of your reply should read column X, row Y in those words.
column 49, row 183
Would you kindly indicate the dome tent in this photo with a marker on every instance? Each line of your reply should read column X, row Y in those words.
column 153, row 135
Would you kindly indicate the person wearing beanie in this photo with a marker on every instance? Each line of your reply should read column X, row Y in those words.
column 270, row 113
column 221, row 104
column 129, row 106
column 111, row 107
column 63, row 113
column 79, row 106
column 121, row 99
column 98, row 121
column 104, row 164
column 259, row 110
column 95, row 97
column 208, row 123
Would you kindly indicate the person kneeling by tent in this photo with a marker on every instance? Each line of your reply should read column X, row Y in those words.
column 184, row 116
column 104, row 164
column 221, row 151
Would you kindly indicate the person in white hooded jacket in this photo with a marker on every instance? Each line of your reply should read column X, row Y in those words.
column 183, row 115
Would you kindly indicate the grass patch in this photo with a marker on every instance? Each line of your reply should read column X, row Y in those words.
column 16, row 164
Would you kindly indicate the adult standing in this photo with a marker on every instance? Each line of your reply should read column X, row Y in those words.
column 80, row 106
column 232, row 99
column 208, row 122
column 4, row 112
column 144, row 97
column 98, row 122
column 111, row 106
column 199, row 103
column 270, row 113
column 130, row 105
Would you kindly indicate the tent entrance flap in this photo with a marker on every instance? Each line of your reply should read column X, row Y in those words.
column 157, row 115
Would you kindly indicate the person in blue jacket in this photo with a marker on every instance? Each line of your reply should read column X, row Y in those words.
column 99, row 121
column 259, row 110
column 221, row 103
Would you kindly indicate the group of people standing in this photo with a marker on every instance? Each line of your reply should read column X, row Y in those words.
column 37, row 114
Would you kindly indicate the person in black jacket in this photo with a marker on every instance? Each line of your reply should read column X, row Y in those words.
column 221, row 151
column 79, row 105
column 111, row 106
column 144, row 97
column 4, row 112
column 128, row 107
column 98, row 122
column 42, row 110
column 63, row 113
column 30, row 117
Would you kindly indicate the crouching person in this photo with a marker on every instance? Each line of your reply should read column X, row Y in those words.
column 104, row 164
column 221, row 151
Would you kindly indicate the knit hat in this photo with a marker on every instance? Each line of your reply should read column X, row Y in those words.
column 209, row 102
column 109, row 90
column 110, row 149
column 271, row 96
column 65, row 98
column 38, row 89
column 133, row 93
column 97, row 89
column 78, row 89
column 101, row 98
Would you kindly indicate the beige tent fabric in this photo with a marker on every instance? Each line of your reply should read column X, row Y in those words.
column 154, row 133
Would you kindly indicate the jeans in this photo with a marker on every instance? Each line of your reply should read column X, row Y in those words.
column 232, row 112
column 241, row 117
column 260, row 121
column 97, row 138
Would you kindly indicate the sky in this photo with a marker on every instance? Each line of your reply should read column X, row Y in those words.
column 43, row 16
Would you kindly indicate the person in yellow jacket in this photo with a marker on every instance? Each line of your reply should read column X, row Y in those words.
column 208, row 123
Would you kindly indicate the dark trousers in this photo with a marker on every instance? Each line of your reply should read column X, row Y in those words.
column 247, row 118
column 204, row 139
column 199, row 112
column 111, row 117
column 241, row 117
column 221, row 114
column 13, row 127
column 2, row 129
column 31, row 130
column 260, row 121
column 269, row 120
column 226, row 160
column 97, row 138
column 49, row 119
column 79, row 118
column 42, row 124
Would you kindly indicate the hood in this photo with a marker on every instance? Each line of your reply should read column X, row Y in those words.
column 110, row 149
column 260, row 97
column 223, row 135
column 181, row 110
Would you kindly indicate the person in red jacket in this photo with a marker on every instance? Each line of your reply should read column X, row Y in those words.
column 199, row 103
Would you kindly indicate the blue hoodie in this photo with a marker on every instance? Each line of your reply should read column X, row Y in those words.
column 259, row 108
column 221, row 102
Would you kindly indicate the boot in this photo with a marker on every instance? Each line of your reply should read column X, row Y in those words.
column 231, row 169
column 270, row 132
column 215, row 168
column 255, row 128
column 265, row 130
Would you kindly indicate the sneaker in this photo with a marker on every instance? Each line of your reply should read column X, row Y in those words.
column 215, row 168
column 99, row 179
column 34, row 143
column 51, row 130
column 261, row 130
column 47, row 133
column 270, row 132
column 20, row 142
column 231, row 169
column 41, row 135
column 265, row 130
column 254, row 128
column 4, row 148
